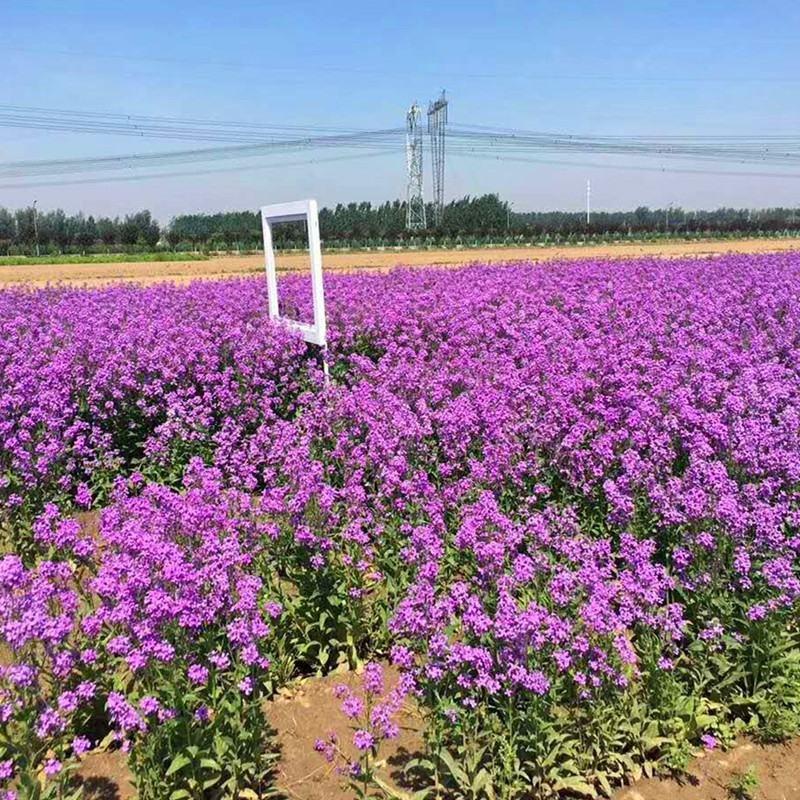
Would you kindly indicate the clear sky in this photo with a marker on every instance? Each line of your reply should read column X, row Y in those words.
column 643, row 67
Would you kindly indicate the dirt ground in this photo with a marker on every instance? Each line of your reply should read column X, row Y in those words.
column 310, row 710
column 233, row 266
column 777, row 768
column 300, row 715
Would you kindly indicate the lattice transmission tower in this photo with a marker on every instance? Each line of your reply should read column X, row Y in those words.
column 437, row 119
column 415, row 201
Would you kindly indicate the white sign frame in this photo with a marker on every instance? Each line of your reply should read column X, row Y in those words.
column 294, row 212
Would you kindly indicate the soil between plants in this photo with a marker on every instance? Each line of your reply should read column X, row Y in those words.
column 308, row 710
column 300, row 715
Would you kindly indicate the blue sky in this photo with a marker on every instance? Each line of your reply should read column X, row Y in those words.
column 643, row 67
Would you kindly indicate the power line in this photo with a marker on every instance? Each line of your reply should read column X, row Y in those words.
column 252, row 139
column 74, row 121
column 543, row 161
column 193, row 173
column 389, row 138
column 632, row 167
column 450, row 74
column 769, row 148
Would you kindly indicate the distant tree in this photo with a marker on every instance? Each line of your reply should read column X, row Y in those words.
column 8, row 229
column 86, row 232
column 26, row 230
column 139, row 229
column 108, row 231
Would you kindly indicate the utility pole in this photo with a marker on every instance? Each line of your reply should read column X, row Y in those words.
column 415, row 201
column 36, row 227
column 437, row 119
column 588, row 202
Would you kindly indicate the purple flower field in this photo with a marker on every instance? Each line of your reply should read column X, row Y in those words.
column 561, row 499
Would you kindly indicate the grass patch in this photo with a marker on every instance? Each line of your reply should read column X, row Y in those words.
column 99, row 258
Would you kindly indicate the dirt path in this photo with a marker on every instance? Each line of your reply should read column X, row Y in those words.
column 233, row 266
column 711, row 776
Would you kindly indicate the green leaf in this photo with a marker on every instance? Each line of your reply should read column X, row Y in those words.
column 455, row 770
column 576, row 785
column 178, row 763
column 605, row 786
column 207, row 784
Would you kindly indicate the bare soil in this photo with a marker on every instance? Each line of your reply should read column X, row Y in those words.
column 311, row 711
column 777, row 768
column 238, row 266
column 304, row 775
column 299, row 715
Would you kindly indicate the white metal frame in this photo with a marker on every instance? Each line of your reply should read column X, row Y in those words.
column 294, row 212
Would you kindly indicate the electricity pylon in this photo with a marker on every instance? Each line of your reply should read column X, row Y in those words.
column 437, row 119
column 415, row 201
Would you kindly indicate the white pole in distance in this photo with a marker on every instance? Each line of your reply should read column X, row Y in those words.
column 588, row 202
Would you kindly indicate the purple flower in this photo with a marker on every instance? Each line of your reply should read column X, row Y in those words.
column 326, row 749
column 354, row 769
column 363, row 740
column 149, row 705
column 68, row 702
column 198, row 674
column 499, row 433
column 49, row 722
column 708, row 741
column 83, row 495
column 373, row 679
column 123, row 715
column 81, row 745
column 353, row 707
column 52, row 767
column 220, row 660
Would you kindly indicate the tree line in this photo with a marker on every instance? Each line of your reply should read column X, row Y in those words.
column 25, row 229
column 358, row 224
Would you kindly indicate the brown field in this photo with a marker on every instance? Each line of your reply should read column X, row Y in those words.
column 237, row 266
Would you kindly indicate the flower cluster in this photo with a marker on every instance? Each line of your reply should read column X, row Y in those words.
column 45, row 694
column 532, row 601
column 180, row 603
column 99, row 381
column 168, row 620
